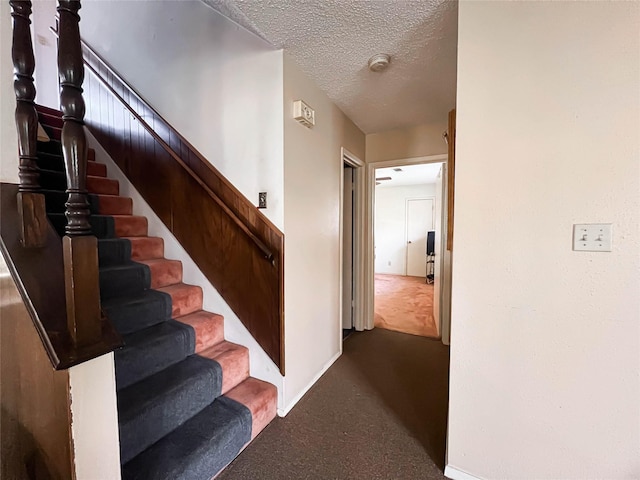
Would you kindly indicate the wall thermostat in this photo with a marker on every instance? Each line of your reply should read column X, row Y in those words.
column 304, row 114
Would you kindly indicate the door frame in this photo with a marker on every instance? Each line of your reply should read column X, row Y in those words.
column 359, row 210
column 368, row 282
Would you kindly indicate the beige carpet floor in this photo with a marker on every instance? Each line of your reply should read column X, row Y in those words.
column 404, row 304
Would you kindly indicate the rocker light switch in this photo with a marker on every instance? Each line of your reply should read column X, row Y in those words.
column 592, row 237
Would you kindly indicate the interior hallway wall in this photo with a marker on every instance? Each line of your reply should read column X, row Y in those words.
column 545, row 341
column 312, row 175
column 419, row 141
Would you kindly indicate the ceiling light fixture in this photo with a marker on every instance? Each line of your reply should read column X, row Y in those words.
column 382, row 178
column 379, row 62
column 397, row 169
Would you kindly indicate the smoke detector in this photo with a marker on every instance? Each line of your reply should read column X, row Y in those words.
column 379, row 62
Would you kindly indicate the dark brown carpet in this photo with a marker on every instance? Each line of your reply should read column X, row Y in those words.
column 378, row 413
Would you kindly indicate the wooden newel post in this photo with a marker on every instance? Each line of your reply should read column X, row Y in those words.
column 31, row 204
column 80, row 247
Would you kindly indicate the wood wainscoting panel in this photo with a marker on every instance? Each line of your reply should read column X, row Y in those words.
column 35, row 416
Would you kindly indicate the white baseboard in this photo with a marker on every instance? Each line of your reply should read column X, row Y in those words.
column 282, row 412
column 456, row 474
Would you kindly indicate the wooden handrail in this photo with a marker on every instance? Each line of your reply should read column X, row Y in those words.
column 267, row 253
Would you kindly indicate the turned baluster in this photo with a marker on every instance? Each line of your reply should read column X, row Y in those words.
column 31, row 205
column 80, row 247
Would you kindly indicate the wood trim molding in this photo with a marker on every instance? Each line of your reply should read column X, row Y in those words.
column 451, row 173
column 359, row 243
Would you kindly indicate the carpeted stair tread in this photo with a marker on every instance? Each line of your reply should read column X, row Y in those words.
column 208, row 327
column 57, row 180
column 102, row 185
column 49, row 119
column 164, row 272
column 54, row 133
column 130, row 225
column 108, row 226
column 130, row 313
column 198, row 449
column 114, row 205
column 48, row 110
column 96, row 169
column 125, row 279
column 234, row 360
column 49, row 161
column 151, row 350
column 54, row 147
column 261, row 398
column 155, row 406
column 113, row 251
column 185, row 299
column 55, row 200
column 102, row 226
column 53, row 180
column 54, row 162
column 146, row 248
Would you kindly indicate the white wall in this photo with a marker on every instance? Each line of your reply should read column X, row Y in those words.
column 391, row 225
column 94, row 419
column 313, row 171
column 46, row 51
column 8, row 136
column 545, row 342
column 419, row 141
column 217, row 84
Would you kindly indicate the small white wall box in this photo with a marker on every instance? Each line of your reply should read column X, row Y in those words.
column 304, row 114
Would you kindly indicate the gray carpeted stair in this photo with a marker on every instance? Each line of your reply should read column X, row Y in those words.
column 113, row 251
column 124, row 279
column 151, row 350
column 102, row 226
column 130, row 313
column 155, row 406
column 223, row 427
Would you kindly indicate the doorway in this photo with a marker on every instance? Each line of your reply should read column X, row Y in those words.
column 352, row 229
column 407, row 207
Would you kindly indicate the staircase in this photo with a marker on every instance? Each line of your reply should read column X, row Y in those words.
column 186, row 403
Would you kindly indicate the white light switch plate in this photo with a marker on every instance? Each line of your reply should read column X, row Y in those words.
column 592, row 237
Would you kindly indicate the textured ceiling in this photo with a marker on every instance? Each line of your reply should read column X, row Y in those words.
column 409, row 175
column 332, row 40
